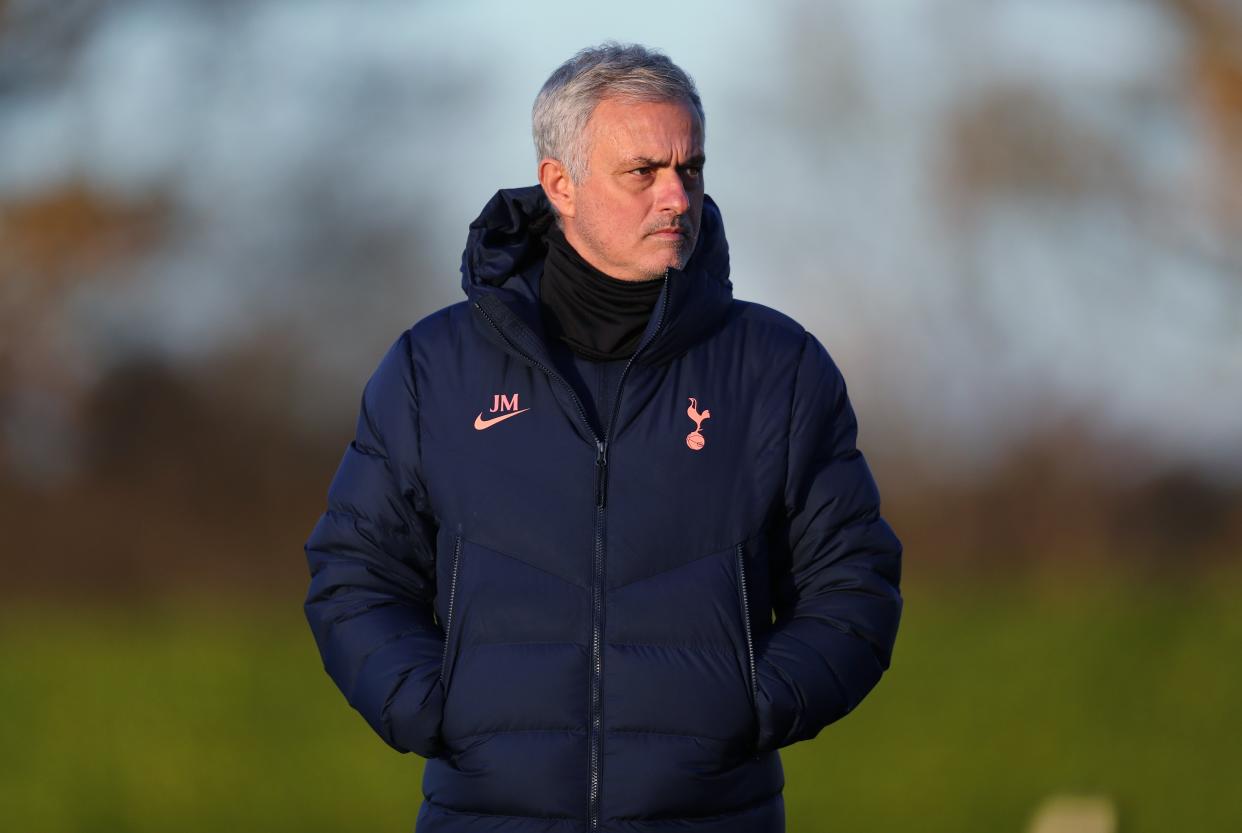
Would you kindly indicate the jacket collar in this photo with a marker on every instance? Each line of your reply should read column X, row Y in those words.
column 502, row 265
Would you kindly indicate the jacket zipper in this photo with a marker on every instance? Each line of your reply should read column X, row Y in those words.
column 601, row 465
column 448, row 621
column 750, row 648
column 597, row 591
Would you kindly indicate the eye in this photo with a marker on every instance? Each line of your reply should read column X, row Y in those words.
column 693, row 171
column 643, row 171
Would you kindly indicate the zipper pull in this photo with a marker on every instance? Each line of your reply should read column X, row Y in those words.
column 601, row 472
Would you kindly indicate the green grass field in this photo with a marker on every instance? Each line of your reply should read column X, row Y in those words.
column 193, row 717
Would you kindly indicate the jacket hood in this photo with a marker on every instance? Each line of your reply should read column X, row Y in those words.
column 502, row 265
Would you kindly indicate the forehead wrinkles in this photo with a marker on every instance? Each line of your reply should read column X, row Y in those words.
column 626, row 130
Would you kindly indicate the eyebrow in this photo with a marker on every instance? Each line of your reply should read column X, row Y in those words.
column 697, row 160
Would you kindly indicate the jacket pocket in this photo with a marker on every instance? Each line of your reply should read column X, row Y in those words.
column 744, row 605
column 446, row 667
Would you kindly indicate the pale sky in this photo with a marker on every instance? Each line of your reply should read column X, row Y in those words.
column 274, row 124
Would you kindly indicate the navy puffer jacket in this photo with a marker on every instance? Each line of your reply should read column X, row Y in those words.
column 603, row 624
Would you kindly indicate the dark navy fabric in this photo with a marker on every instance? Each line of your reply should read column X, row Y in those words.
column 602, row 618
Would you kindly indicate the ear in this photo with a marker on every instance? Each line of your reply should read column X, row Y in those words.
column 557, row 185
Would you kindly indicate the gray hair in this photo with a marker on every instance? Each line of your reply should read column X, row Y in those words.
column 611, row 70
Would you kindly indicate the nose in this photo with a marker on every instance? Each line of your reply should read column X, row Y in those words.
column 672, row 196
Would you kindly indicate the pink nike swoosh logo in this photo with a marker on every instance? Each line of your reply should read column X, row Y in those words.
column 480, row 423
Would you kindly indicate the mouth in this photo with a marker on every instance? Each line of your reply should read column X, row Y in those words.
column 672, row 233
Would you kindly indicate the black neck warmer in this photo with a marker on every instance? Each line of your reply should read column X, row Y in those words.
column 598, row 316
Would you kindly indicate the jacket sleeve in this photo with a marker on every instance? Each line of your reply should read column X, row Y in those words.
column 372, row 566
column 837, row 599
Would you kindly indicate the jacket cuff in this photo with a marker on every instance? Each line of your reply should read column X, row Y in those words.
column 415, row 726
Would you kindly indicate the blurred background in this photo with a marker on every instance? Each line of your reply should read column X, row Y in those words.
column 1015, row 224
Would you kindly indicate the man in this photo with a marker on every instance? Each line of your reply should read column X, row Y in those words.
column 603, row 542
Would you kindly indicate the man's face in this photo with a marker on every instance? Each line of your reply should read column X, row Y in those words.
column 637, row 211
